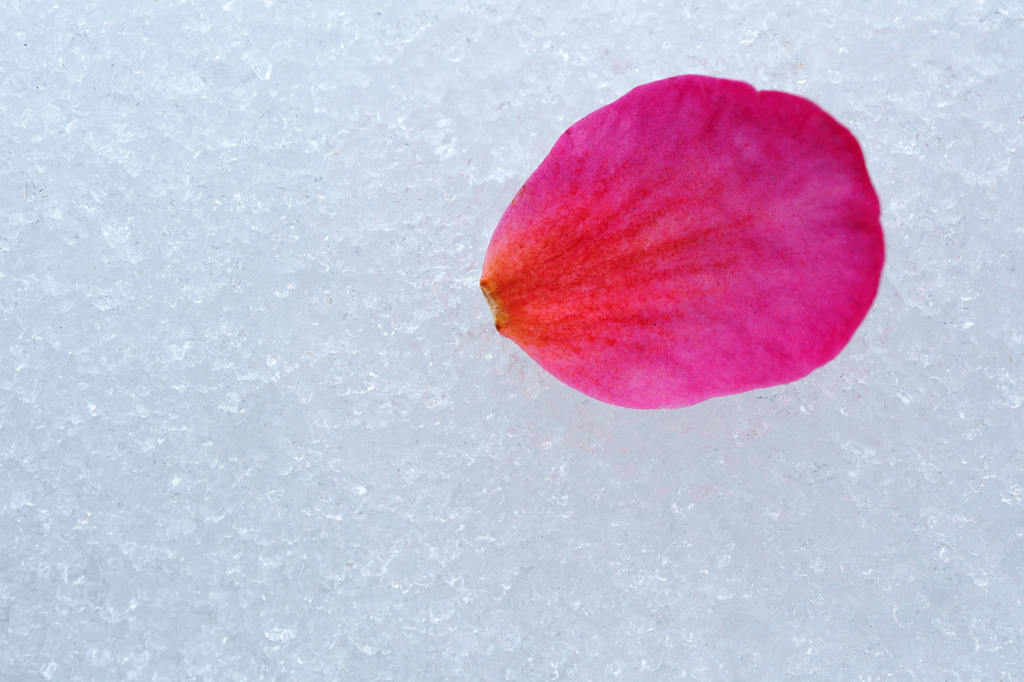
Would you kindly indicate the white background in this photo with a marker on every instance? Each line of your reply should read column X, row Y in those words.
column 255, row 421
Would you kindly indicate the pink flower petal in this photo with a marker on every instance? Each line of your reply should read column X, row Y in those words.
column 695, row 238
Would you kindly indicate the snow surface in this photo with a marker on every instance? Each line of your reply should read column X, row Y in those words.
column 255, row 421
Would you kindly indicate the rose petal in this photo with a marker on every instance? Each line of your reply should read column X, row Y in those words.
column 693, row 239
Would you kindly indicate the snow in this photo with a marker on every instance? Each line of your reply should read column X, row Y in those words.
column 255, row 421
